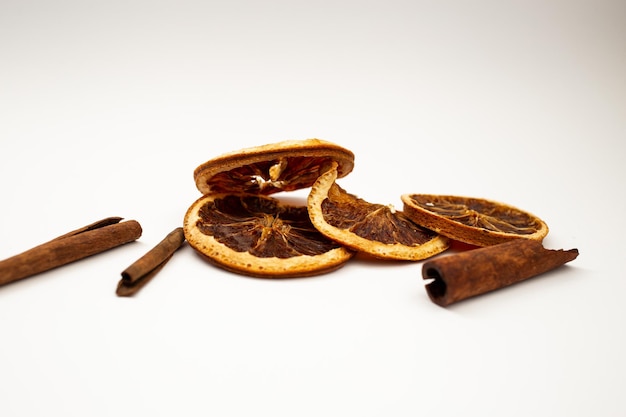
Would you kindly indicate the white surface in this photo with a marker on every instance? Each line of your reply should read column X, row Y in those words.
column 107, row 107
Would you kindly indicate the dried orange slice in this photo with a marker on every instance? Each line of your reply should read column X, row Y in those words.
column 475, row 221
column 268, row 169
column 260, row 236
column 375, row 229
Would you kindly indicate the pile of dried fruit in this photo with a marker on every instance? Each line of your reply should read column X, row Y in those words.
column 239, row 226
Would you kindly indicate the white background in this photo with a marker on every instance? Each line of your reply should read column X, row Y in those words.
column 106, row 108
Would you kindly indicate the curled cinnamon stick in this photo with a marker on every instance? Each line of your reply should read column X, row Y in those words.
column 145, row 268
column 78, row 244
column 467, row 274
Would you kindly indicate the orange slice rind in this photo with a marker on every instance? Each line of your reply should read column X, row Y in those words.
column 475, row 221
column 260, row 236
column 271, row 168
column 375, row 229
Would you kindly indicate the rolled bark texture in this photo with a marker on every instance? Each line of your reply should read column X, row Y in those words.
column 78, row 244
column 478, row 271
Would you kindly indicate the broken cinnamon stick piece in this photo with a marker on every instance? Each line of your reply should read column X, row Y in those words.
column 78, row 244
column 145, row 268
column 467, row 274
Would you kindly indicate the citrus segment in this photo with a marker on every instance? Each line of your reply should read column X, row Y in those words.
column 374, row 229
column 260, row 236
column 475, row 221
column 271, row 168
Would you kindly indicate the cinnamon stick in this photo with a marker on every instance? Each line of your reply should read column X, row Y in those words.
column 78, row 244
column 137, row 275
column 478, row 271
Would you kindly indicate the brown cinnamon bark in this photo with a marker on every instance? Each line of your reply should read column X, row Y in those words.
column 467, row 274
column 78, row 244
column 145, row 268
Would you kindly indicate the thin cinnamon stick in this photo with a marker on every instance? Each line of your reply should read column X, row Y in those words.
column 478, row 271
column 89, row 240
column 137, row 275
